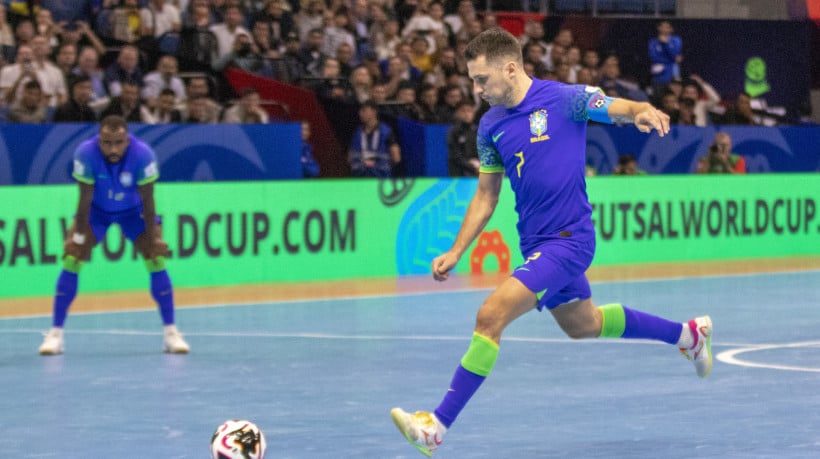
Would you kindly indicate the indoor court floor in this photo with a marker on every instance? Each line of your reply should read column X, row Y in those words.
column 320, row 374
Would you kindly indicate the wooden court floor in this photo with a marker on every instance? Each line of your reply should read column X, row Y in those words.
column 260, row 293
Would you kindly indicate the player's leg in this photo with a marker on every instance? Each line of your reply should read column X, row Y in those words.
column 582, row 319
column 74, row 253
column 162, row 289
column 424, row 429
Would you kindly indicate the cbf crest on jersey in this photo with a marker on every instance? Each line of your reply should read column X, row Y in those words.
column 538, row 126
column 126, row 179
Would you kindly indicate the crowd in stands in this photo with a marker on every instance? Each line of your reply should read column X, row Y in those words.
column 161, row 61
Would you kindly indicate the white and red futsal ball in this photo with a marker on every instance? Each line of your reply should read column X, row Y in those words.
column 238, row 439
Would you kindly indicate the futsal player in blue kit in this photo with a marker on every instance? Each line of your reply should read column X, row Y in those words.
column 116, row 173
column 535, row 133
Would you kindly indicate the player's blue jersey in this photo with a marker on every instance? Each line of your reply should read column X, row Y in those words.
column 541, row 145
column 115, row 185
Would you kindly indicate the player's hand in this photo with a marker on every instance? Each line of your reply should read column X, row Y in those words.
column 651, row 118
column 158, row 248
column 71, row 248
column 442, row 265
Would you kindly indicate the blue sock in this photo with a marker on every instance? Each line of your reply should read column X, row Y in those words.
column 646, row 326
column 462, row 388
column 163, row 294
column 64, row 296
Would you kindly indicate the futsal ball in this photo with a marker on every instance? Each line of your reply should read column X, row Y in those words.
column 238, row 439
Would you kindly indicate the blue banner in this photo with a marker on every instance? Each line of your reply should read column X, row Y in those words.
column 42, row 154
column 786, row 149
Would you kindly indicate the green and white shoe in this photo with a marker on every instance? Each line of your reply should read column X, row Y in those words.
column 701, row 353
column 422, row 429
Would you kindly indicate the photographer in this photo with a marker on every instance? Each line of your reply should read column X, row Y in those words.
column 720, row 159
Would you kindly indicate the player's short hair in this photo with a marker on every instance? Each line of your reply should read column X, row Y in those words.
column 113, row 123
column 494, row 43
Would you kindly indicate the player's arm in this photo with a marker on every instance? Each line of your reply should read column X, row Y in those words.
column 149, row 209
column 479, row 211
column 81, row 236
column 605, row 109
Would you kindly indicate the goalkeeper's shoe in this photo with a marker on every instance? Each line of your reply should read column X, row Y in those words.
column 701, row 353
column 422, row 429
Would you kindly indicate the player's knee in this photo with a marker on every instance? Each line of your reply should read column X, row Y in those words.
column 488, row 323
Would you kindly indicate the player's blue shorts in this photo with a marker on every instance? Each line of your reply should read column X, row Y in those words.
column 130, row 222
column 555, row 270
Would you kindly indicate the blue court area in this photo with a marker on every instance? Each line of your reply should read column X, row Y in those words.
column 319, row 378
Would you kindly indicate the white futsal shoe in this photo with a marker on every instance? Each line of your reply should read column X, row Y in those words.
column 53, row 342
column 701, row 353
column 422, row 429
column 173, row 342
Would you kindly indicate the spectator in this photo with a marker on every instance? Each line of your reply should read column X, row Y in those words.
column 685, row 115
column 7, row 41
column 362, row 83
column 346, row 56
column 628, row 165
column 665, row 56
column 77, row 109
column 669, row 103
column 66, row 59
column 741, row 112
column 261, row 40
column 278, row 21
column 332, row 85
column 359, row 25
column 615, row 86
column 165, row 111
column 48, row 74
column 198, row 47
column 88, row 65
column 406, row 102
column 590, row 60
column 557, row 50
column 24, row 32
column 452, row 97
column 198, row 110
column 721, row 159
column 290, row 68
column 207, row 110
column 126, row 22
column 465, row 14
column 428, row 104
column 166, row 76
column 227, row 31
column 430, row 27
column 45, row 27
column 309, row 18
column 80, row 35
column 310, row 168
column 14, row 76
column 30, row 107
column 337, row 33
column 374, row 149
column 248, row 110
column 128, row 105
column 446, row 65
column 704, row 95
column 462, row 156
column 311, row 55
column 421, row 56
column 384, row 39
column 124, row 70
column 159, row 17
